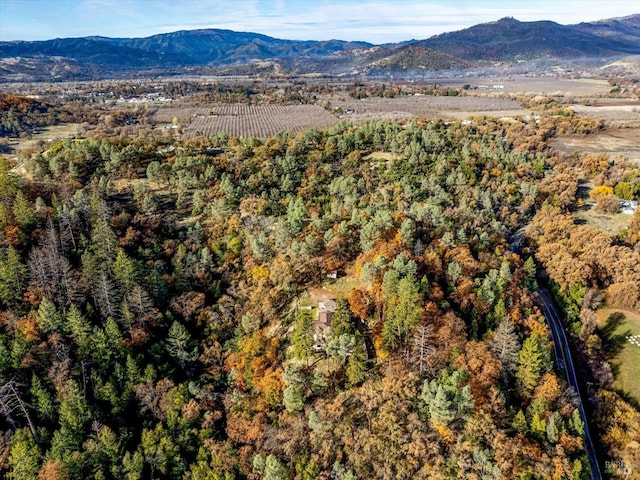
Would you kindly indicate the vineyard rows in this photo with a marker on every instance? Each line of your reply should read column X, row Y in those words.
column 245, row 120
column 242, row 120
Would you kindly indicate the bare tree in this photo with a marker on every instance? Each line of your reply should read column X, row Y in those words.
column 420, row 351
column 11, row 404
column 52, row 272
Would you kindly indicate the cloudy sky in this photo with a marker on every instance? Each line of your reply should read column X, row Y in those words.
column 376, row 21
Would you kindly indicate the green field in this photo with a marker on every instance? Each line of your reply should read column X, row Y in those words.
column 46, row 135
column 627, row 361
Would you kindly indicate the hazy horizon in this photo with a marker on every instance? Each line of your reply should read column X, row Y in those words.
column 372, row 21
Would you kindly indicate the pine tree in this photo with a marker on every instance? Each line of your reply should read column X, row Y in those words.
column 49, row 320
column 302, row 339
column 342, row 320
column 80, row 330
column 576, row 423
column 403, row 312
column 13, row 275
column 530, row 271
column 274, row 470
column 292, row 399
column 42, row 399
column 530, row 365
column 125, row 273
column 441, row 409
column 552, row 429
column 520, row 423
column 24, row 457
column 538, row 426
column 357, row 363
column 180, row 345
column 9, row 182
column 24, row 212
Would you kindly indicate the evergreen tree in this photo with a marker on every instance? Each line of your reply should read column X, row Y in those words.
column 80, row 330
column 274, row 470
column 403, row 311
column 13, row 275
column 9, row 182
column 24, row 212
column 49, row 320
column 357, row 363
column 125, row 273
column 530, row 365
column 342, row 320
column 302, row 340
column 520, row 423
column 530, row 271
column 293, row 399
column 42, row 399
column 24, row 457
column 180, row 345
column 538, row 426
column 552, row 429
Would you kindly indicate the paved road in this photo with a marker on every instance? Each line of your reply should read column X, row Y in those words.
column 565, row 364
column 563, row 357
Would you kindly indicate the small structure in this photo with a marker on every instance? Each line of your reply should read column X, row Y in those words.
column 326, row 307
column 628, row 206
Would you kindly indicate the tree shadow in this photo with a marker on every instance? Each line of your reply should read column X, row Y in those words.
column 613, row 342
column 5, row 149
column 627, row 397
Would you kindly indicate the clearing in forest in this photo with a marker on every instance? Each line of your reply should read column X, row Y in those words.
column 624, row 337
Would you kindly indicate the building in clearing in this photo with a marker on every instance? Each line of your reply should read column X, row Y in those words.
column 628, row 206
column 326, row 307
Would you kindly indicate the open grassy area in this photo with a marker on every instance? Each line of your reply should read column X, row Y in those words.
column 47, row 135
column 338, row 288
column 612, row 224
column 627, row 357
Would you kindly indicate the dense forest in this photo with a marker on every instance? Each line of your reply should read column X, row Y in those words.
column 156, row 319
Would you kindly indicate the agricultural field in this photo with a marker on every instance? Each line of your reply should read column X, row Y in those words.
column 419, row 106
column 613, row 141
column 623, row 114
column 244, row 120
column 627, row 361
column 550, row 86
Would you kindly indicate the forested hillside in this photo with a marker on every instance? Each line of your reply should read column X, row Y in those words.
column 153, row 325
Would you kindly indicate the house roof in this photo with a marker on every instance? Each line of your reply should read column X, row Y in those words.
column 324, row 320
column 327, row 304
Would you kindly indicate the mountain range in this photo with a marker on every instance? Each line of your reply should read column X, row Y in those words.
column 506, row 41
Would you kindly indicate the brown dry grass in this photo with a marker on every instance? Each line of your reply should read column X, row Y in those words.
column 615, row 142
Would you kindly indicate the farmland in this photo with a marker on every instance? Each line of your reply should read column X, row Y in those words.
column 615, row 115
column 614, row 142
column 419, row 106
column 263, row 120
column 242, row 120
column 627, row 361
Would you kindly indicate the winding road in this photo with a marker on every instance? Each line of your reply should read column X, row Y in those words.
column 565, row 364
column 564, row 361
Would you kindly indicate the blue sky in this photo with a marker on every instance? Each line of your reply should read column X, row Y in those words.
column 377, row 21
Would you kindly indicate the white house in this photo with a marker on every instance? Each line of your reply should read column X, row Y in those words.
column 628, row 206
